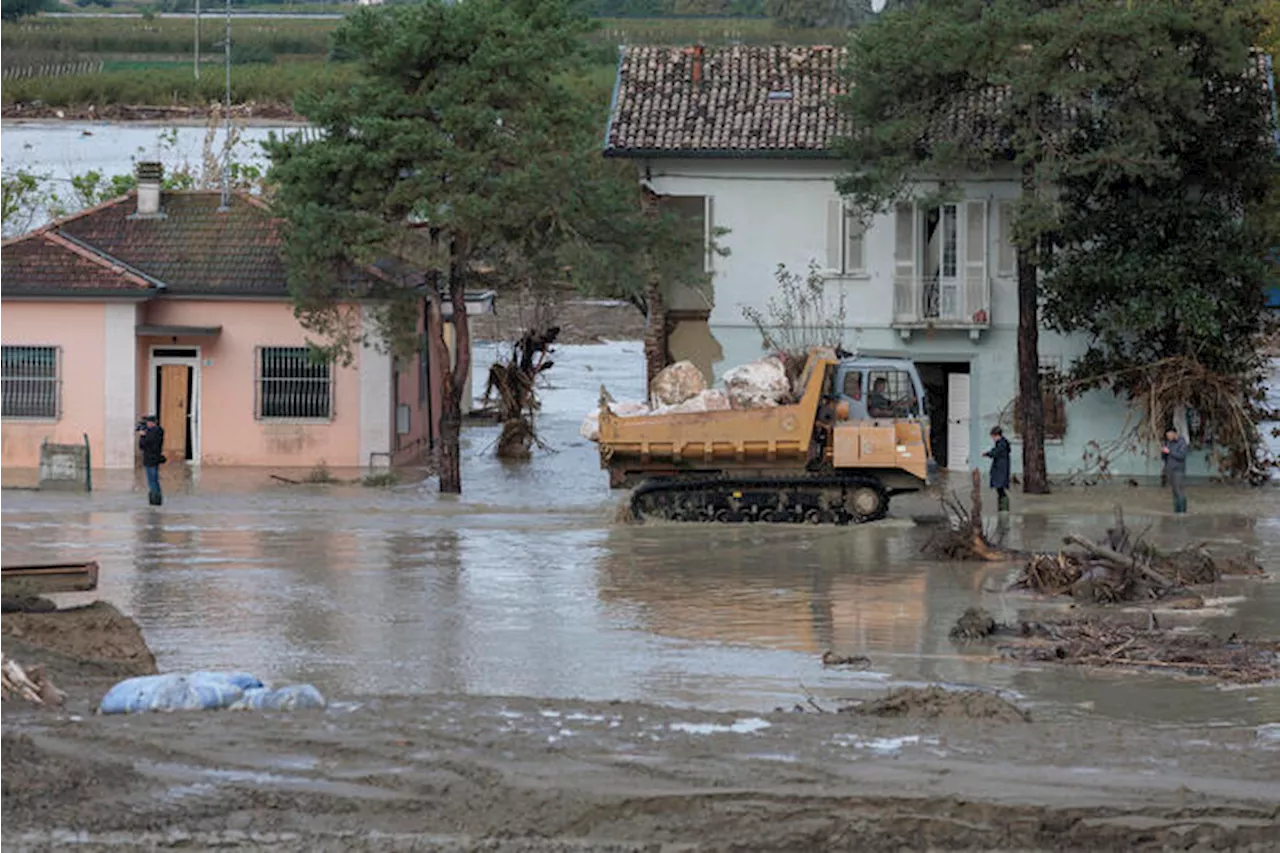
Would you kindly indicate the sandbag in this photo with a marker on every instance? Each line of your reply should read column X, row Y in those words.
column 759, row 384
column 590, row 429
column 676, row 383
column 291, row 698
column 177, row 692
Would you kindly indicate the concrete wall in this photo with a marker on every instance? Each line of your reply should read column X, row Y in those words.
column 777, row 212
column 80, row 329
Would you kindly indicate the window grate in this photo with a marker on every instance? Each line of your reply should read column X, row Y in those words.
column 31, row 382
column 292, row 384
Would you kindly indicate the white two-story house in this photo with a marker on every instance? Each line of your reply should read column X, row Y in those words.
column 739, row 138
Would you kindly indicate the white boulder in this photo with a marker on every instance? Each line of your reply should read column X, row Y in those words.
column 710, row 400
column 676, row 383
column 759, row 384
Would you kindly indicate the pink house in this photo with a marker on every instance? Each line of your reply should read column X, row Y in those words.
column 174, row 304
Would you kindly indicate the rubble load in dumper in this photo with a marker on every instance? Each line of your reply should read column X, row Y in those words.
column 681, row 389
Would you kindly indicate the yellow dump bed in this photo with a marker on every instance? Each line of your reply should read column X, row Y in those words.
column 757, row 437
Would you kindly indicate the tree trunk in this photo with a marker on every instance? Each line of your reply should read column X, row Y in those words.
column 655, row 333
column 1035, row 479
column 455, row 380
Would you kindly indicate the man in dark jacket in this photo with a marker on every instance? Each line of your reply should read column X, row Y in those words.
column 151, row 443
column 999, row 455
column 1174, row 454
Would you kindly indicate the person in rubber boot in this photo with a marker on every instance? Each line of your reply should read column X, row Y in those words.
column 151, row 443
column 999, row 454
column 1174, row 454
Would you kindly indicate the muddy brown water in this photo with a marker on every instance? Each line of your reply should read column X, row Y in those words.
column 526, row 586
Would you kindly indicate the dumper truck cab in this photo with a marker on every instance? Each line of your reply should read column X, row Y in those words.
column 856, row 434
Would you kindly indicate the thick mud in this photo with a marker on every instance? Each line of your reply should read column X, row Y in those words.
column 459, row 773
column 93, row 640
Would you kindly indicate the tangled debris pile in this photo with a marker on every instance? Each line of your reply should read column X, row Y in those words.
column 1124, row 568
column 29, row 684
column 964, row 537
column 1096, row 642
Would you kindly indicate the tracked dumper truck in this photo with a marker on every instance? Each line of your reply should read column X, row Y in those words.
column 857, row 436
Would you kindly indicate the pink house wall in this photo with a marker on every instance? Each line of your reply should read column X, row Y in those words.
column 230, row 432
column 79, row 329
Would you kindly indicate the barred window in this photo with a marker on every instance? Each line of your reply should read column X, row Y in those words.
column 293, row 384
column 1052, row 398
column 31, row 382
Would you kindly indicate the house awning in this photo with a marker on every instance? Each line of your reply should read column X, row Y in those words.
column 178, row 331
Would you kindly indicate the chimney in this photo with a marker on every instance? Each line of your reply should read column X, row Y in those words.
column 149, row 176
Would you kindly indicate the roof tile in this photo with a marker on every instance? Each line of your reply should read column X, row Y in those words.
column 45, row 265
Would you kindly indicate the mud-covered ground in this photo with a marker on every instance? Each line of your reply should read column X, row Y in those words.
column 916, row 769
column 473, row 773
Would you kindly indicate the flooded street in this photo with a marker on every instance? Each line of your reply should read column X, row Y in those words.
column 516, row 671
column 526, row 586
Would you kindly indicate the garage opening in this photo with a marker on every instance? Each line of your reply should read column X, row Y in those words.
column 946, row 389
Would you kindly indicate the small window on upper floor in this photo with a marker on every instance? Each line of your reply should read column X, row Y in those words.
column 846, row 252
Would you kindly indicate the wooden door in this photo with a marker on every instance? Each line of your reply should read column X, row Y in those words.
column 175, row 403
column 958, row 422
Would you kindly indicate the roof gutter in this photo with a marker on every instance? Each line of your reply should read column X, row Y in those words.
column 717, row 154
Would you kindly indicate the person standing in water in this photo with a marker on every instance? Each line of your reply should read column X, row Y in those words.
column 999, row 454
column 1174, row 454
column 151, row 443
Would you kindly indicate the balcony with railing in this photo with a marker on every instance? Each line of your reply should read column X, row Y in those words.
column 933, row 302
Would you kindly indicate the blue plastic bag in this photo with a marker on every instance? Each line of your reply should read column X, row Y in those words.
column 290, row 698
column 177, row 692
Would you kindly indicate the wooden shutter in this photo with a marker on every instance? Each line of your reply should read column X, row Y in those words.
column 904, row 241
column 975, row 242
column 1007, row 255
column 835, row 235
column 853, row 231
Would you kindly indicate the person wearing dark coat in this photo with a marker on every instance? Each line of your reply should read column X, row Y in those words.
column 151, row 443
column 1174, row 454
column 999, row 454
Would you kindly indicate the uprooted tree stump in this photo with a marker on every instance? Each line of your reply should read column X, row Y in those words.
column 514, row 384
column 1124, row 568
column 965, row 538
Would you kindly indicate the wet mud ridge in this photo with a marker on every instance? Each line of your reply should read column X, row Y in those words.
column 450, row 773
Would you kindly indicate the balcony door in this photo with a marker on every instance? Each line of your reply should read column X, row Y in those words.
column 940, row 262
column 940, row 233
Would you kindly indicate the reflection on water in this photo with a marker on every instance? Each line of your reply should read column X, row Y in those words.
column 526, row 586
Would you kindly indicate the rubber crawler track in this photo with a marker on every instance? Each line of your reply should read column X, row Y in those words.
column 812, row 500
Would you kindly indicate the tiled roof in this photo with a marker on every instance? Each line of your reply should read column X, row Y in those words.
column 740, row 100
column 45, row 264
column 190, row 248
column 774, row 101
